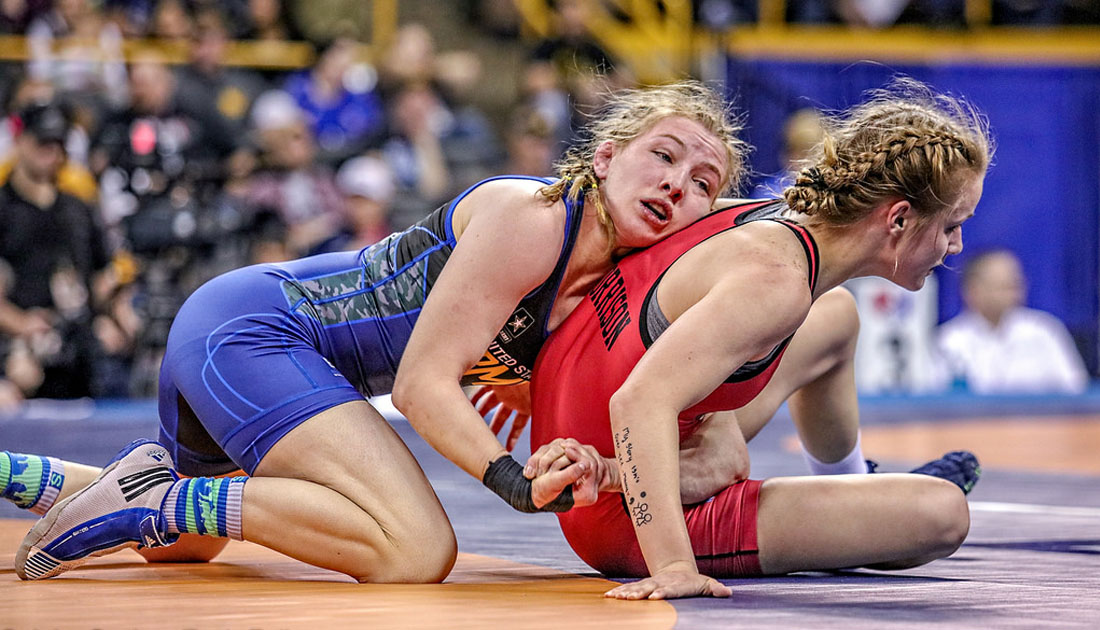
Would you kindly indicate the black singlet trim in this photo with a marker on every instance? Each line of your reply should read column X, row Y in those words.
column 750, row 369
column 573, row 227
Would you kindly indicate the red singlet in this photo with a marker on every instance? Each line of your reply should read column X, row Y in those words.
column 589, row 357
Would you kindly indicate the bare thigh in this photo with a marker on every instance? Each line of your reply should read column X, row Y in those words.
column 375, row 516
column 839, row 521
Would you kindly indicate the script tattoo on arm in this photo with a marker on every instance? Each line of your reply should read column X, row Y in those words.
column 624, row 451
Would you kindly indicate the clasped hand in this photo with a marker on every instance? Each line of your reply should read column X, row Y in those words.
column 564, row 462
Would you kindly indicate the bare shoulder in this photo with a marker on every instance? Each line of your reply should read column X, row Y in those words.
column 762, row 250
column 513, row 201
column 759, row 264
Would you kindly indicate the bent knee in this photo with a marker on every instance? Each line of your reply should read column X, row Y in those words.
column 946, row 518
column 428, row 562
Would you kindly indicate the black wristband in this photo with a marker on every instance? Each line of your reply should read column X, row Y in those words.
column 505, row 477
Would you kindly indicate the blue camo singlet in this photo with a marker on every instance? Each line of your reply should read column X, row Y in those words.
column 256, row 351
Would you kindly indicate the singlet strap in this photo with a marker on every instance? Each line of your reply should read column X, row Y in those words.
column 809, row 245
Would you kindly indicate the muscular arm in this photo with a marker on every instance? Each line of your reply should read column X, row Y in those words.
column 725, row 320
column 507, row 246
column 712, row 459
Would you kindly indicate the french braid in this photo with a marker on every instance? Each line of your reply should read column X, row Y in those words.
column 904, row 142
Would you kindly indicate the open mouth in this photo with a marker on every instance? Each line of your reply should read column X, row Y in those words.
column 658, row 211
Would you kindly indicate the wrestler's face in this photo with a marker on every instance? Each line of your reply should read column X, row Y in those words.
column 661, row 181
column 932, row 242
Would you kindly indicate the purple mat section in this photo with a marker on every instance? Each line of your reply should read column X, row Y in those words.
column 1032, row 558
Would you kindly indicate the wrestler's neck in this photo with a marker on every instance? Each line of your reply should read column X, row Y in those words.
column 591, row 259
column 851, row 251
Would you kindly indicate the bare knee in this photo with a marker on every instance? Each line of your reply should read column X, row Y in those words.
column 419, row 558
column 944, row 520
column 939, row 526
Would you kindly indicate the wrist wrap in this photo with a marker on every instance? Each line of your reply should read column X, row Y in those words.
column 505, row 477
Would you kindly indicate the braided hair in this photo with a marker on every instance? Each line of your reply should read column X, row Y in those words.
column 904, row 142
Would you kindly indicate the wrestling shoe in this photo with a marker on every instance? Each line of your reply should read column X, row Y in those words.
column 121, row 508
column 959, row 467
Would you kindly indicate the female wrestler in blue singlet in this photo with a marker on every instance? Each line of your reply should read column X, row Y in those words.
column 267, row 367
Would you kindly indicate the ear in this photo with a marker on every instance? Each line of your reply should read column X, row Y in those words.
column 899, row 217
column 601, row 161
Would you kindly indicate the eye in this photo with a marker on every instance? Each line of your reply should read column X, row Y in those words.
column 702, row 183
column 664, row 156
column 953, row 228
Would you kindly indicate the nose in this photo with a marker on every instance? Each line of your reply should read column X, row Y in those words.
column 955, row 245
column 674, row 188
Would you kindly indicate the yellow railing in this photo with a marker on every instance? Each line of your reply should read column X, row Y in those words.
column 658, row 41
column 268, row 55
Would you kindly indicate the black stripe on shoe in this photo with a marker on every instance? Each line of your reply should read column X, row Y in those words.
column 39, row 564
column 138, row 483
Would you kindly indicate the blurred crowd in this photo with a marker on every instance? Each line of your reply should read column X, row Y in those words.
column 126, row 180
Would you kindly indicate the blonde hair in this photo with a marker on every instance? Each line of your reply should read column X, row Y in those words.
column 628, row 114
column 905, row 141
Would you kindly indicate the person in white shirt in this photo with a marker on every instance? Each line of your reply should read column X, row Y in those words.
column 997, row 345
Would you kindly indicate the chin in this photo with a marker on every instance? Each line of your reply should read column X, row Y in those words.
column 909, row 284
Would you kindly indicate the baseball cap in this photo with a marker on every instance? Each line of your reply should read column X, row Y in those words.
column 275, row 109
column 46, row 122
column 367, row 177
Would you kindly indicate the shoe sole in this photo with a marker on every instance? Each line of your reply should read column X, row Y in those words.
column 41, row 564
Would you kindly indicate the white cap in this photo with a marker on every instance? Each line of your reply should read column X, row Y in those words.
column 367, row 177
column 275, row 109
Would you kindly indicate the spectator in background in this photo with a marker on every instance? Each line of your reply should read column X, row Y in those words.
column 570, row 63
column 419, row 119
column 344, row 110
column 59, row 261
column 368, row 188
column 207, row 80
column 20, row 374
column 16, row 15
column 268, row 20
column 73, row 178
column 301, row 193
column 802, row 131
column 998, row 346
column 465, row 135
column 172, row 21
column 77, row 49
column 530, row 144
column 162, row 147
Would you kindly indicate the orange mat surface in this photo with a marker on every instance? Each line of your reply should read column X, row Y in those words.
column 249, row 586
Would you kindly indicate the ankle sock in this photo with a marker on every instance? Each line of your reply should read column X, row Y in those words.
column 31, row 482
column 852, row 463
column 209, row 506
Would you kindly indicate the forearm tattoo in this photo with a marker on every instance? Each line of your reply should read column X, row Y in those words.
column 624, row 452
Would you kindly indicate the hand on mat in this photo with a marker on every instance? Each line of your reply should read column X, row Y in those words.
column 602, row 472
column 503, row 402
column 671, row 584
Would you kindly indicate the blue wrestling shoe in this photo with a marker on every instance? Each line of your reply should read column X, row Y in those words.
column 121, row 508
column 959, row 467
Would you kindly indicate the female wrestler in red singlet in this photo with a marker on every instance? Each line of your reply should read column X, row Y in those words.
column 698, row 323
